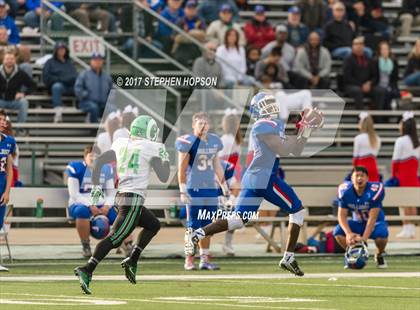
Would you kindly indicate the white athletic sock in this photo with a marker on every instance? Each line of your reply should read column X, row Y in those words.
column 288, row 256
column 204, row 255
column 228, row 238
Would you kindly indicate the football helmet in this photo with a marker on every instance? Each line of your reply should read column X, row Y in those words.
column 144, row 127
column 99, row 227
column 356, row 256
column 264, row 105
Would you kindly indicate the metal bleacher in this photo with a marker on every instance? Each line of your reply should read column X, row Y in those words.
column 51, row 146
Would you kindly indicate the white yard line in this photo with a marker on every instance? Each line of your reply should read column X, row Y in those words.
column 201, row 277
column 187, row 300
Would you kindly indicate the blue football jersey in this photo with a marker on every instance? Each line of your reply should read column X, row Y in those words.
column 371, row 198
column 7, row 147
column 200, row 173
column 265, row 162
column 80, row 171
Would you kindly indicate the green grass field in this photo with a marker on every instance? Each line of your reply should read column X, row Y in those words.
column 240, row 284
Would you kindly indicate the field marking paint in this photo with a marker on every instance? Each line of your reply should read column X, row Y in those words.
column 160, row 300
column 218, row 277
column 325, row 285
column 240, row 299
column 74, row 301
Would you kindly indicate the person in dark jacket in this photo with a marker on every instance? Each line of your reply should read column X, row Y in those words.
column 59, row 75
column 409, row 16
column 92, row 88
column 313, row 13
column 338, row 34
column 359, row 77
column 386, row 73
column 14, row 85
column 208, row 10
column 258, row 31
column 298, row 32
column 412, row 72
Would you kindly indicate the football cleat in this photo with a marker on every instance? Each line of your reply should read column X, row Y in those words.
column 380, row 261
column 84, row 279
column 190, row 242
column 130, row 269
column 208, row 266
column 189, row 263
column 291, row 266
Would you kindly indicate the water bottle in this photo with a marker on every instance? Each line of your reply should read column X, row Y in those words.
column 39, row 211
column 173, row 210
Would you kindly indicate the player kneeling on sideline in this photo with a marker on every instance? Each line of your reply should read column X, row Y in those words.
column 134, row 157
column 364, row 200
column 79, row 185
column 261, row 180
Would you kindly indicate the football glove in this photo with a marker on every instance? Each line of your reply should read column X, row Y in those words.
column 311, row 119
column 96, row 194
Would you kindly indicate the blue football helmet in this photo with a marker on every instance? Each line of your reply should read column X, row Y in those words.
column 356, row 256
column 99, row 227
column 264, row 105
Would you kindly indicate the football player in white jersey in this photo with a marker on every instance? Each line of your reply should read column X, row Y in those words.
column 135, row 157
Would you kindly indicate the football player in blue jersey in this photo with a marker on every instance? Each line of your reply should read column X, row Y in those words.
column 261, row 181
column 199, row 172
column 7, row 148
column 364, row 200
column 79, row 184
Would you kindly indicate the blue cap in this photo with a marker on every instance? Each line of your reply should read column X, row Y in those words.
column 294, row 10
column 259, row 9
column 2, row 3
column 191, row 4
column 95, row 55
column 226, row 7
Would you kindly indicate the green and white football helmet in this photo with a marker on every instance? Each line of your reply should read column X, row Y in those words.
column 144, row 127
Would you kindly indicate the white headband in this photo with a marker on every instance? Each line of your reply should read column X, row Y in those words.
column 114, row 115
column 130, row 109
column 363, row 115
column 407, row 115
column 230, row 111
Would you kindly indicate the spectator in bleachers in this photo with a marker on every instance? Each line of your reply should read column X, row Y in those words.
column 233, row 58
column 313, row 13
column 32, row 17
column 22, row 52
column 368, row 18
column 366, row 146
column 105, row 139
column 173, row 12
column 218, row 28
column 92, row 88
column 14, row 7
column 9, row 23
column 359, row 78
column 405, row 165
column 14, row 85
column 313, row 63
column 79, row 185
column 88, row 13
column 253, row 55
column 207, row 66
column 409, row 16
column 273, row 68
column 259, row 32
column 287, row 51
column 59, row 75
column 298, row 32
column 209, row 10
column 128, row 115
column 184, row 50
column 386, row 75
column 412, row 72
column 329, row 11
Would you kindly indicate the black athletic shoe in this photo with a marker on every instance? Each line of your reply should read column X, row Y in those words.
column 291, row 266
column 380, row 261
column 130, row 270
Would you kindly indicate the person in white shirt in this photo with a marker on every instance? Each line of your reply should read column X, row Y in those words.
column 128, row 116
column 232, row 58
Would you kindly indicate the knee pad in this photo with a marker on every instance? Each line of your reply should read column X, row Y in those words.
column 235, row 223
column 297, row 218
column 81, row 212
